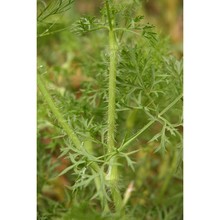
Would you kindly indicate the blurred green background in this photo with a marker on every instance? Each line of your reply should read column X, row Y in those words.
column 65, row 58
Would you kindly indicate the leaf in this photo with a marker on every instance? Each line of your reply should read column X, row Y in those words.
column 86, row 24
column 163, row 141
column 66, row 170
column 147, row 32
column 53, row 7
column 64, row 151
column 138, row 18
column 129, row 161
column 84, row 181
column 155, row 137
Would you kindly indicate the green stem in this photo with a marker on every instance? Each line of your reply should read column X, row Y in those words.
column 124, row 146
column 45, row 33
column 109, row 14
column 71, row 134
column 171, row 105
column 128, row 30
column 56, row 112
column 112, row 89
column 112, row 175
column 60, row 118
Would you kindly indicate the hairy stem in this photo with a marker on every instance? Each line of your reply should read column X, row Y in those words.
column 109, row 14
column 112, row 175
column 94, row 166
column 56, row 112
column 112, row 89
column 71, row 134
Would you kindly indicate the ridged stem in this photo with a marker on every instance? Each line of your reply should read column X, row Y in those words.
column 56, row 112
column 112, row 90
column 94, row 166
column 71, row 134
column 112, row 175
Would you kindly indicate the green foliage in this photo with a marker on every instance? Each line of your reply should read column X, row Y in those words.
column 121, row 124
column 51, row 8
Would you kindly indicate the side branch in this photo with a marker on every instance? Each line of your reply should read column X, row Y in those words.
column 56, row 112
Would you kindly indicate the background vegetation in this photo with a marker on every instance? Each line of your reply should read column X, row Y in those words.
column 74, row 68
